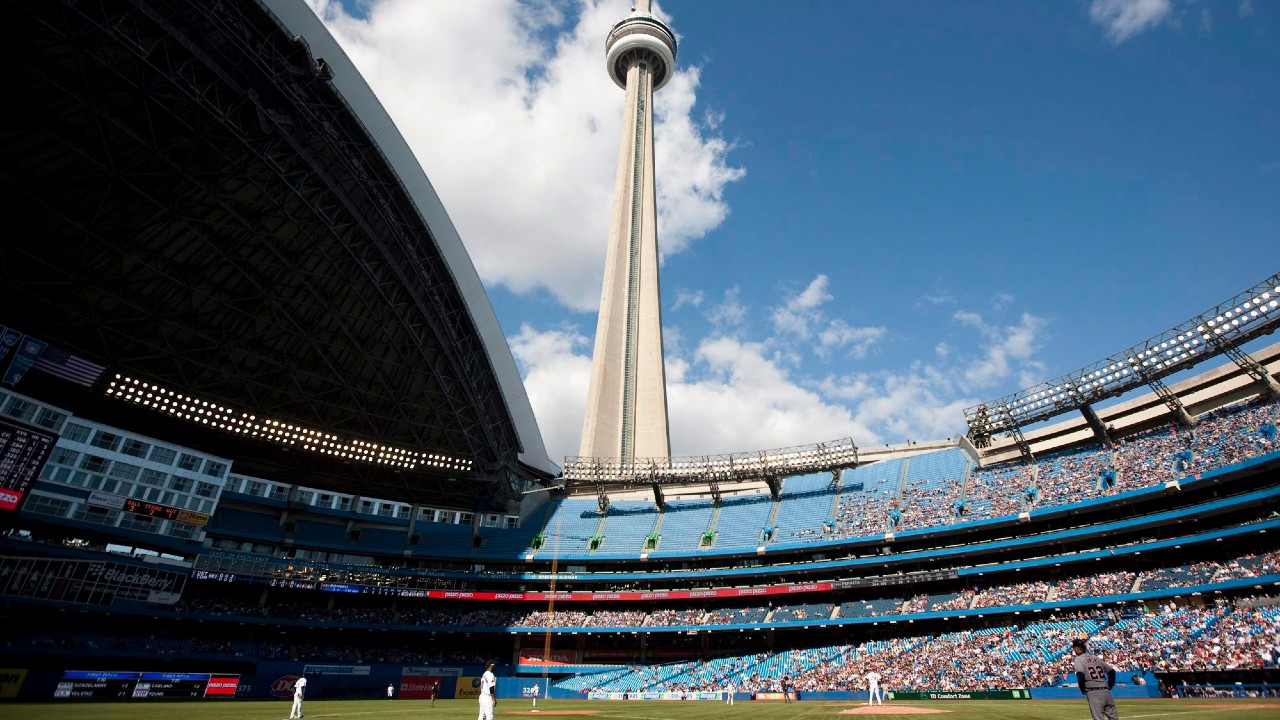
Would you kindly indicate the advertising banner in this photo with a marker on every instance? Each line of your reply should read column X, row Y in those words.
column 468, row 688
column 963, row 695
column 11, row 680
column 335, row 669
column 418, row 687
column 88, row 582
column 222, row 686
column 452, row 672
column 600, row 695
column 282, row 687
column 555, row 657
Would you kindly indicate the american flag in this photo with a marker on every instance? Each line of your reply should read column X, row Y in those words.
column 62, row 364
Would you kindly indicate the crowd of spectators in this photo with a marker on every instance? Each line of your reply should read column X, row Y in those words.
column 668, row 617
column 1100, row 585
column 930, row 503
column 411, row 613
column 1025, row 593
column 1221, row 636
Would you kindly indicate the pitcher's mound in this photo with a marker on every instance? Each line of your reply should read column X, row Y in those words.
column 891, row 710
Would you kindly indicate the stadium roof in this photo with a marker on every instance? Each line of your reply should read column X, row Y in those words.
column 210, row 198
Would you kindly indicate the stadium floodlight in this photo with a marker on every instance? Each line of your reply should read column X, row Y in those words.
column 136, row 391
column 1217, row 331
column 624, row 473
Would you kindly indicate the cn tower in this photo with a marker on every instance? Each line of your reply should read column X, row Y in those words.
column 627, row 401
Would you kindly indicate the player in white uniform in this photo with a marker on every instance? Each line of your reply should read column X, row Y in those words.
column 873, row 688
column 488, row 684
column 533, row 692
column 728, row 693
column 1095, row 679
column 299, row 689
column 391, row 691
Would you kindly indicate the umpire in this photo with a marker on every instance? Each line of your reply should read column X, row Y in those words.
column 1095, row 678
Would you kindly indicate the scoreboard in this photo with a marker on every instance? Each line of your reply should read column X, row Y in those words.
column 109, row 684
column 23, row 452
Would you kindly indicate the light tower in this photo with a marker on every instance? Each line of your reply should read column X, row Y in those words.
column 627, row 400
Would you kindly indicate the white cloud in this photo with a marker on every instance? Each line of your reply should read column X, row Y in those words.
column 729, row 312
column 1003, row 349
column 838, row 334
column 1122, row 19
column 746, row 401
column 511, row 113
column 801, row 317
column 799, row 312
column 557, row 370
column 728, row 392
column 1246, row 8
column 688, row 297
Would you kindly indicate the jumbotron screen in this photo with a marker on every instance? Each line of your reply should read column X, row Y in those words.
column 102, row 684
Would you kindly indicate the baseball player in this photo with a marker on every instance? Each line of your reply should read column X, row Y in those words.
column 728, row 693
column 488, row 686
column 873, row 688
column 533, row 692
column 1095, row 679
column 299, row 689
column 391, row 691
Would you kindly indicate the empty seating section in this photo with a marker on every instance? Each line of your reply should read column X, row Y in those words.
column 243, row 523
column 1172, row 577
column 383, row 540
column 742, row 521
column 869, row 608
column 320, row 534
column 737, row 616
column 628, row 524
column 865, row 504
column 571, row 526
column 934, row 486
column 806, row 502
column 442, row 539
column 801, row 613
column 587, row 680
column 516, row 542
column 683, row 523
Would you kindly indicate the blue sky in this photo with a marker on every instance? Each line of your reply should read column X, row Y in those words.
column 873, row 214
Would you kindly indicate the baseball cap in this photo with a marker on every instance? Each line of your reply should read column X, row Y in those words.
column 1079, row 643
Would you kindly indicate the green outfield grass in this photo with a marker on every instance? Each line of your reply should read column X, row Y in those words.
column 519, row 709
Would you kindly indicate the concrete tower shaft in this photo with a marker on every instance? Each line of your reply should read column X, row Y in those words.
column 627, row 401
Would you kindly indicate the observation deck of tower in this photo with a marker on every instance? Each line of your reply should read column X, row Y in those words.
column 626, row 413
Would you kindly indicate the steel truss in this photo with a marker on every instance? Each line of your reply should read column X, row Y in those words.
column 201, row 207
column 606, row 475
column 1219, row 330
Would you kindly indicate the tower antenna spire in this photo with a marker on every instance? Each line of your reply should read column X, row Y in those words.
column 626, row 414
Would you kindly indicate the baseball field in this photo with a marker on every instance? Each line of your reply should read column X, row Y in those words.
column 584, row 710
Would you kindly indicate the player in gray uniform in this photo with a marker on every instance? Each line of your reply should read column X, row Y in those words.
column 1095, row 678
